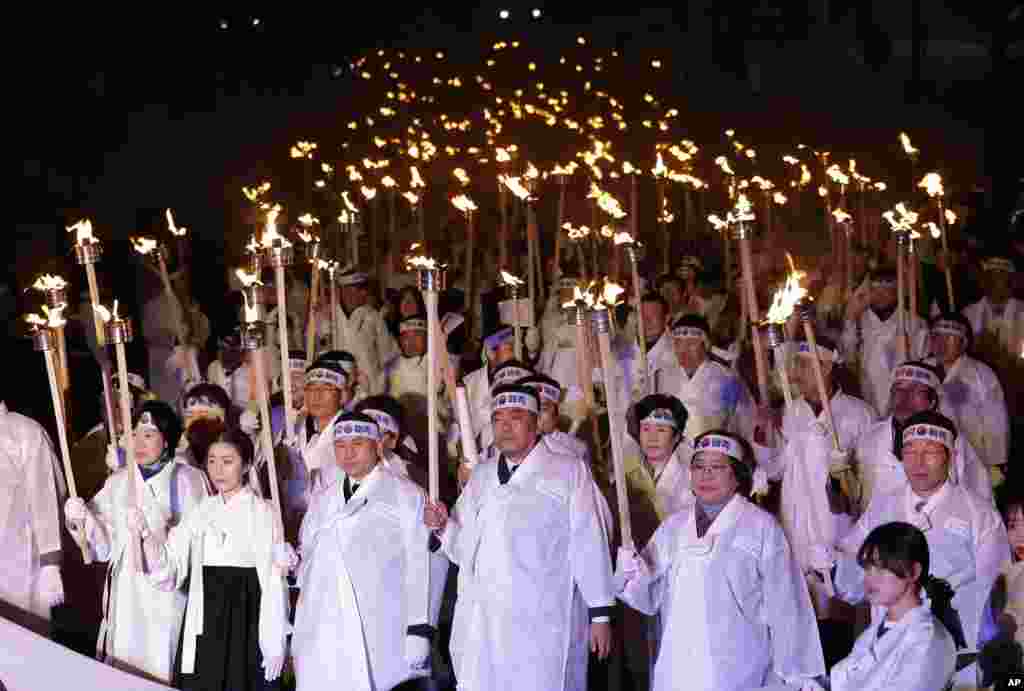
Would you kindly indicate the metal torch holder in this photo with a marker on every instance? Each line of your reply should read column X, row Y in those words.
column 740, row 231
column 576, row 314
column 431, row 279
column 55, row 297
column 156, row 254
column 251, row 336
column 805, row 310
column 253, row 299
column 43, row 339
column 902, row 237
column 313, row 251
column 775, row 334
column 119, row 331
column 601, row 318
column 279, row 254
column 255, row 262
column 88, row 253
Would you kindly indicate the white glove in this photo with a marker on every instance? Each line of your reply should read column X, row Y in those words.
column 115, row 457
column 760, row 486
column 272, row 667
column 417, row 652
column 135, row 521
column 51, row 587
column 249, row 421
column 285, row 557
column 822, row 557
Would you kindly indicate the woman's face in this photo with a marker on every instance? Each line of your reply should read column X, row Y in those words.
column 712, row 477
column 1015, row 530
column 149, row 444
column 225, row 468
column 657, row 441
column 883, row 588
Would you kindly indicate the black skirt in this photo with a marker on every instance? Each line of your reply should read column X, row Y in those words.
column 228, row 656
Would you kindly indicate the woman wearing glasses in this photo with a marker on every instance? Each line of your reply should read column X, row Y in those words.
column 733, row 602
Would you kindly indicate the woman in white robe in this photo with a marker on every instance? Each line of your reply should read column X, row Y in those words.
column 906, row 646
column 732, row 599
column 142, row 624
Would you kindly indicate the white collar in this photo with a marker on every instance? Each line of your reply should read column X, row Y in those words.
column 930, row 503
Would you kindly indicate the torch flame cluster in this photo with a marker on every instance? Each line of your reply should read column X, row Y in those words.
column 787, row 297
column 83, row 232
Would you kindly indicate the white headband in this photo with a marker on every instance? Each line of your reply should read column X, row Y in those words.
column 916, row 375
column 412, row 325
column 515, row 399
column 949, row 327
column 295, row 363
column 350, row 429
column 926, row 432
column 998, row 264
column 353, row 279
column 146, row 422
column 384, row 421
column 690, row 332
column 547, row 392
column 509, row 375
column 322, row 375
column 826, row 354
column 720, row 443
column 661, row 416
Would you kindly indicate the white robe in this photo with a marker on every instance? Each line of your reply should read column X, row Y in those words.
column 711, row 396
column 159, row 327
column 915, row 654
column 478, row 395
column 366, row 336
column 1009, row 327
column 967, row 544
column 237, row 533
column 734, row 603
column 142, row 624
column 364, row 581
column 31, row 490
column 877, row 344
column 881, row 472
column 660, row 361
column 533, row 556
column 803, row 466
column 405, row 380
column 974, row 395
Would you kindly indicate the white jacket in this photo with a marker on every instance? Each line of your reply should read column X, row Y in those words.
column 31, row 490
column 974, row 395
column 1009, row 327
column 365, row 335
column 916, row 653
column 364, row 580
column 879, row 350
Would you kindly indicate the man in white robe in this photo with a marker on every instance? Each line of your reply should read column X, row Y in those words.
column 498, row 349
column 363, row 621
column 31, row 489
column 532, row 550
column 967, row 542
column 997, row 319
column 915, row 388
column 660, row 356
column 363, row 331
column 972, row 393
column 871, row 336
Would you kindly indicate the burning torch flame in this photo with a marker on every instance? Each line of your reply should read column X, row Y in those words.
column 247, row 279
column 270, row 233
column 723, row 163
column 623, row 238
column 463, row 203
column 254, row 193
column 717, row 222
column 411, row 197
column 841, row 216
column 744, row 210
column 837, row 175
column 144, row 245
column 779, row 198
column 308, row 220
column 659, row 169
column 387, row 181
column 932, row 184
column 901, row 219
column 83, row 229
column 368, row 192
column 175, row 230
column 461, row 176
column 49, row 282
column 510, row 280
column 907, row 146
column 303, row 149
column 422, row 262
column 576, row 233
column 417, row 181
column 516, row 186
column 787, row 297
column 950, row 217
column 54, row 318
column 933, row 229
column 352, row 208
column 610, row 294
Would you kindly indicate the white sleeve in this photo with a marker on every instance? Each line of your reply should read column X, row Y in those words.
column 997, row 420
column 273, row 625
column 416, row 538
column 648, row 596
column 171, row 569
column 41, row 492
column 589, row 544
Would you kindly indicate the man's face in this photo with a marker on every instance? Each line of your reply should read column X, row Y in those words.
column 356, row 456
column 803, row 376
column 322, row 400
column 657, row 441
column 353, row 296
column 690, row 352
column 654, row 318
column 548, row 421
column 413, row 342
column 515, row 431
column 926, row 464
column 883, row 297
column 907, row 398
column 1015, row 530
column 948, row 347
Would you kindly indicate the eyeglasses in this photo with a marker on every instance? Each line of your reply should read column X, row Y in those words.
column 716, row 469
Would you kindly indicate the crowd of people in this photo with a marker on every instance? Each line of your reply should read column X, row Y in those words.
column 870, row 540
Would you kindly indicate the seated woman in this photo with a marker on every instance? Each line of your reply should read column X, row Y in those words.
column 907, row 646
column 733, row 603
column 228, row 552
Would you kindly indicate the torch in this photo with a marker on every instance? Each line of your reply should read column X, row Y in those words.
column 576, row 236
column 843, row 221
column 44, row 339
column 54, row 290
column 179, row 235
column 912, row 153
column 783, row 303
column 631, row 249
column 119, row 332
column 466, row 205
column 602, row 322
column 516, row 186
column 502, row 157
column 88, row 251
column 741, row 232
column 415, row 183
column 576, row 316
column 660, row 171
column 389, row 184
column 430, row 278
column 561, row 172
column 332, row 267
column 252, row 342
column 932, row 183
column 370, row 193
column 902, row 222
column 355, row 225
column 312, row 248
column 278, row 253
column 513, row 284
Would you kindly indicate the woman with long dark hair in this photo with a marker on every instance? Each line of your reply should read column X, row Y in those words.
column 908, row 645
